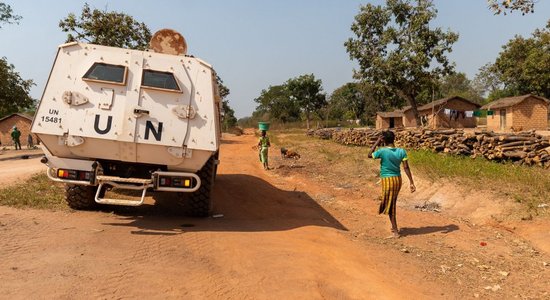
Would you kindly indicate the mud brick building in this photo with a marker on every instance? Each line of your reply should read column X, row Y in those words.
column 23, row 123
column 451, row 112
column 527, row 112
column 392, row 119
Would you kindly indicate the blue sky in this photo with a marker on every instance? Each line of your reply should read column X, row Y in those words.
column 256, row 43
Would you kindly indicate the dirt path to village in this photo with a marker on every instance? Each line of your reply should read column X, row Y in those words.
column 283, row 235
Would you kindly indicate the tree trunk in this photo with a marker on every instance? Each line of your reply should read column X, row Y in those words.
column 412, row 102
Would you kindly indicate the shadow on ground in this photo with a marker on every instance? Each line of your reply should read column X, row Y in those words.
column 428, row 229
column 245, row 203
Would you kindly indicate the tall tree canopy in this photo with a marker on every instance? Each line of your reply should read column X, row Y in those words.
column 348, row 102
column 6, row 15
column 308, row 94
column 505, row 6
column 458, row 84
column 275, row 103
column 524, row 63
column 14, row 91
column 114, row 29
column 397, row 50
column 522, row 67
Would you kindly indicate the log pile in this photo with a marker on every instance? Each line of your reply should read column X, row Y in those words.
column 356, row 137
column 323, row 133
column 523, row 148
column 453, row 141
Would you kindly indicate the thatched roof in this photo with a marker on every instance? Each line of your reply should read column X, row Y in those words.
column 511, row 101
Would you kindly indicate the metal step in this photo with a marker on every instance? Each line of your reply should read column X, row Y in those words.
column 122, row 183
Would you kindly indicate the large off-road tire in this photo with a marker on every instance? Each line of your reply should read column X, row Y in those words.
column 81, row 197
column 200, row 202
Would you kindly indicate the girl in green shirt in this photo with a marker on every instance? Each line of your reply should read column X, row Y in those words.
column 391, row 159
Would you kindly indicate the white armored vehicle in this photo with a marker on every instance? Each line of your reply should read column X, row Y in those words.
column 129, row 119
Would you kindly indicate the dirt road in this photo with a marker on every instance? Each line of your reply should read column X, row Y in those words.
column 17, row 170
column 278, row 239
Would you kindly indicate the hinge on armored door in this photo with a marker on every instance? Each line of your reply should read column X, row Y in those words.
column 184, row 111
column 74, row 98
column 106, row 99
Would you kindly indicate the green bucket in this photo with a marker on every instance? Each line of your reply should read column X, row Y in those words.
column 263, row 125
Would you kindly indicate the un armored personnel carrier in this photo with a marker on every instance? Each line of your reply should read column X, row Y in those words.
column 129, row 119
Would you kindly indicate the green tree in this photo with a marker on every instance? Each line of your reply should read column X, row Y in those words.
column 505, row 6
column 228, row 118
column 523, row 66
column 7, row 16
column 397, row 51
column 275, row 103
column 114, row 29
column 14, row 91
column 347, row 102
column 487, row 81
column 458, row 84
column 307, row 92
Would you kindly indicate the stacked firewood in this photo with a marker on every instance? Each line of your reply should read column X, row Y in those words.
column 323, row 133
column 451, row 141
column 356, row 137
column 524, row 148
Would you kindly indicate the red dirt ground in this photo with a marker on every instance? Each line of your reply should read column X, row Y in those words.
column 283, row 235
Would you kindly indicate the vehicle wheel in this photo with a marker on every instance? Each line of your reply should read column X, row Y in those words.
column 80, row 197
column 200, row 202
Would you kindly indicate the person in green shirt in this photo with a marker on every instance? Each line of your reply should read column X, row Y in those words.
column 391, row 159
column 15, row 134
column 263, row 145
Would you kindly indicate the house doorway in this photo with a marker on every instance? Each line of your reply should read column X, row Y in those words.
column 502, row 119
column 392, row 122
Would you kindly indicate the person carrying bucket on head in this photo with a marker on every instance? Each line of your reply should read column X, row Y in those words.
column 263, row 145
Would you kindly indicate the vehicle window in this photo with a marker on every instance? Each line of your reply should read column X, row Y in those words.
column 160, row 80
column 105, row 72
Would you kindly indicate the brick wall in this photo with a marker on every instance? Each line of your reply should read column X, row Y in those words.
column 443, row 120
column 384, row 123
column 381, row 122
column 493, row 122
column 531, row 113
column 23, row 124
column 408, row 119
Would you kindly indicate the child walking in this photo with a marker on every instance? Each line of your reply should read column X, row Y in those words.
column 391, row 159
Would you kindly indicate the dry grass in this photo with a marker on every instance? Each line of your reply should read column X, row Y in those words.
column 37, row 192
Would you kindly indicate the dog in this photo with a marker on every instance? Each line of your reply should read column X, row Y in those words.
column 286, row 153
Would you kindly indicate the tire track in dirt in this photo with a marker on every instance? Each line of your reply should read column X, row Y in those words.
column 24, row 241
column 183, row 259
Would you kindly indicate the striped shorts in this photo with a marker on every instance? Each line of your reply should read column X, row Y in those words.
column 390, row 190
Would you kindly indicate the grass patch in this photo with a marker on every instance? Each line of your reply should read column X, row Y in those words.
column 527, row 185
column 524, row 181
column 37, row 192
